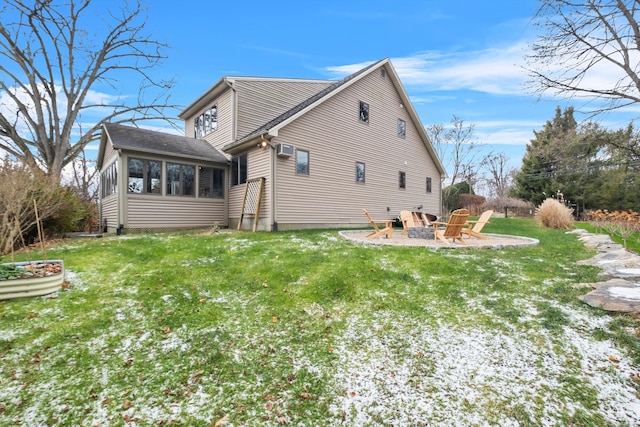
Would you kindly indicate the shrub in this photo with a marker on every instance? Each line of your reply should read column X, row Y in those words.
column 623, row 223
column 451, row 195
column 20, row 188
column 513, row 206
column 472, row 202
column 553, row 214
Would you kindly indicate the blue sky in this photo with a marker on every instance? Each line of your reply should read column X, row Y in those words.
column 461, row 57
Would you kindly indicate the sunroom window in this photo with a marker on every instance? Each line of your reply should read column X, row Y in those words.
column 109, row 180
column 211, row 183
column 180, row 179
column 144, row 176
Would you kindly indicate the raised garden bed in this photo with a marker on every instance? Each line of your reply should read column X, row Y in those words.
column 32, row 278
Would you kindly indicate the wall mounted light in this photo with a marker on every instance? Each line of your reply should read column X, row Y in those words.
column 262, row 144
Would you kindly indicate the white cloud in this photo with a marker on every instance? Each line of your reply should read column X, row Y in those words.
column 494, row 71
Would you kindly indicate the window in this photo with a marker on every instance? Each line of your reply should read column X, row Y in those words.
column 198, row 130
column 180, row 179
column 109, row 180
column 211, row 119
column 239, row 170
column 428, row 185
column 359, row 172
column 364, row 112
column 206, row 122
column 402, row 128
column 402, row 181
column 145, row 176
column 383, row 73
column 302, row 162
column 211, row 183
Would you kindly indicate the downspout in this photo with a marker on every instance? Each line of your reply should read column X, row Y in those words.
column 234, row 107
column 272, row 169
column 233, row 138
column 122, row 193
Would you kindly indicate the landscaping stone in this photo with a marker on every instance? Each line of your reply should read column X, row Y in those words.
column 420, row 233
column 619, row 290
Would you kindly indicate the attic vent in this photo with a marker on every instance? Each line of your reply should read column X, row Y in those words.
column 383, row 72
column 285, row 150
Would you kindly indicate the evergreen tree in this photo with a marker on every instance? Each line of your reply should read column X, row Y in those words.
column 544, row 159
column 587, row 166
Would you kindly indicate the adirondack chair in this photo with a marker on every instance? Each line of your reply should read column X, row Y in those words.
column 475, row 227
column 387, row 231
column 415, row 219
column 453, row 228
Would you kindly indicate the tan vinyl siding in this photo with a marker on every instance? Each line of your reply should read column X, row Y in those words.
column 336, row 140
column 109, row 206
column 109, row 153
column 224, row 134
column 260, row 101
column 153, row 212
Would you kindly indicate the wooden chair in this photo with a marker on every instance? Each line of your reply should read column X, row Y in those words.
column 453, row 228
column 415, row 219
column 387, row 231
column 407, row 221
column 475, row 227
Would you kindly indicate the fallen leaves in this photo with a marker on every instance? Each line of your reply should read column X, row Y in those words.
column 220, row 422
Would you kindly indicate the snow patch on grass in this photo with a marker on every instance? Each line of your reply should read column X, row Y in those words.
column 395, row 372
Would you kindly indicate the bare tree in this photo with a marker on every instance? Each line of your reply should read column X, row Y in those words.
column 455, row 145
column 500, row 175
column 54, row 61
column 588, row 48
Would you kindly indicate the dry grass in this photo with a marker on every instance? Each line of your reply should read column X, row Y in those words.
column 553, row 214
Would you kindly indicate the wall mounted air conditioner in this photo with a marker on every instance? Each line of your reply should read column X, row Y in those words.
column 285, row 150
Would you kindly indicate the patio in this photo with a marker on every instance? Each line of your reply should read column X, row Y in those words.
column 494, row 241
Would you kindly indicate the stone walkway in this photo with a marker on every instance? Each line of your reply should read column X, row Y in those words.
column 619, row 288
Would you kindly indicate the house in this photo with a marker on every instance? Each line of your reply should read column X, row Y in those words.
column 302, row 153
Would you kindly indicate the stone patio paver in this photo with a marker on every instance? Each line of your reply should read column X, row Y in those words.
column 619, row 290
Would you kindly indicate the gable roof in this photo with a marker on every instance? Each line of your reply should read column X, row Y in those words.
column 265, row 97
column 271, row 127
column 154, row 142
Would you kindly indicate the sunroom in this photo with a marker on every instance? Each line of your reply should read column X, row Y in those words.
column 167, row 182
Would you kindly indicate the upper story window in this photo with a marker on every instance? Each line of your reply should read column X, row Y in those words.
column 206, row 122
column 302, row 162
column 144, row 176
column 402, row 128
column 402, row 180
column 428, row 185
column 180, row 179
column 364, row 112
column 239, row 170
column 359, row 172
column 109, row 180
column 211, row 183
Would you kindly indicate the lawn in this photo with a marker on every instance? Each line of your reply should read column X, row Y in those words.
column 305, row 328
